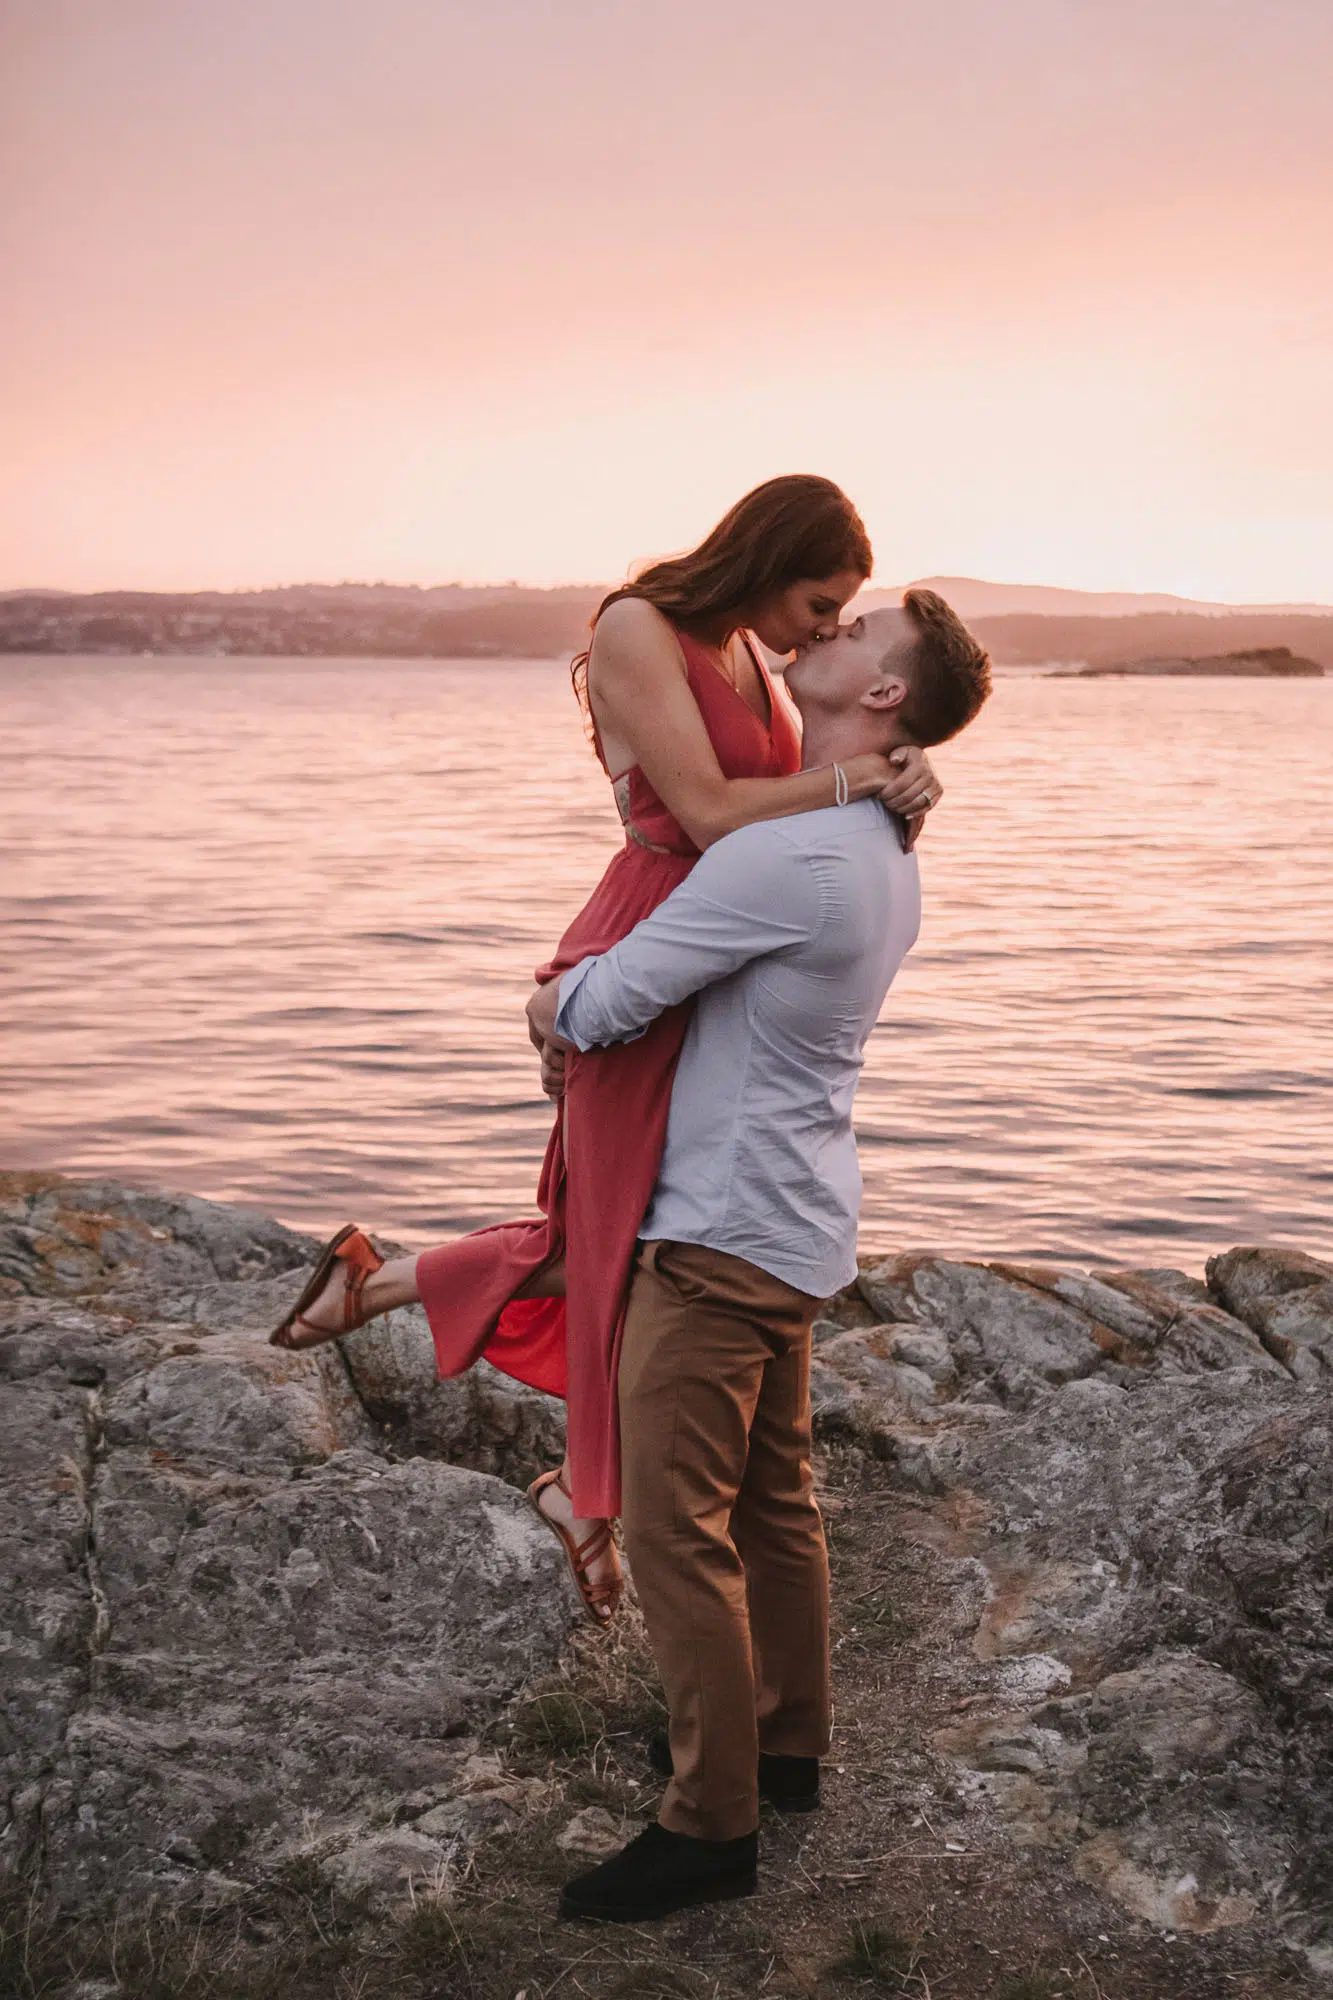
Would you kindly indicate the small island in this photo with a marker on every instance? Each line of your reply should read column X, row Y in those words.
column 1259, row 662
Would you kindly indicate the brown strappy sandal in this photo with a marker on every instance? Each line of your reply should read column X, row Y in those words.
column 352, row 1248
column 580, row 1554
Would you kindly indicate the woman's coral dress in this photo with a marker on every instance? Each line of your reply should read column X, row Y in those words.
column 602, row 1159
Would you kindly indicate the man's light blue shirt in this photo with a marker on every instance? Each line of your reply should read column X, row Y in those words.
column 790, row 932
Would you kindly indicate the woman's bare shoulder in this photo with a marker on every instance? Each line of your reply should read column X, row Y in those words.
column 633, row 630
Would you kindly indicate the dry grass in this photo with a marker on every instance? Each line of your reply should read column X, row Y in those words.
column 881, row 1957
column 289, row 1941
column 586, row 1728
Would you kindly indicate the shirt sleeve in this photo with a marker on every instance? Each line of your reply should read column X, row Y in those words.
column 748, row 896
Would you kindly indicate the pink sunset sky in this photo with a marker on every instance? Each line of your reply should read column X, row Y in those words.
column 404, row 289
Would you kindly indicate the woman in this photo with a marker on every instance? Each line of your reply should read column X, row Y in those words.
column 689, row 729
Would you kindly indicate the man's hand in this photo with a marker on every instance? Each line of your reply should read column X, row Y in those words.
column 542, row 1009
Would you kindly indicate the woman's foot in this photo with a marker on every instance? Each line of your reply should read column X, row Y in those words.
column 590, row 1546
column 350, row 1284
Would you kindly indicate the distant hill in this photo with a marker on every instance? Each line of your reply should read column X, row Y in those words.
column 376, row 621
column 456, row 621
column 972, row 598
column 1099, row 641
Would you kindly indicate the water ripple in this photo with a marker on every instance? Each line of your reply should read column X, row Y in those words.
column 298, row 981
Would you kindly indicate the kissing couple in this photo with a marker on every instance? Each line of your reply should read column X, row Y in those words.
column 701, row 1029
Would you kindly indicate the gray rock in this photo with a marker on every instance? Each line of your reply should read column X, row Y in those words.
column 83, row 1238
column 1180, row 1795
column 468, row 1820
column 1090, row 1390
column 1186, row 1328
column 845, row 1309
column 832, row 1403
column 240, row 1405
column 1286, row 1297
column 865, row 1357
column 483, row 1418
column 281, row 1650
column 919, row 1347
column 389, row 1865
column 1012, row 1744
column 1014, row 1333
column 237, row 1626
column 1022, row 1677
column 1175, row 1285
column 1003, row 1331
column 594, row 1834
column 227, row 1620
column 1171, row 1549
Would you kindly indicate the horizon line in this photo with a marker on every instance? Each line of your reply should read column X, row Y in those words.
column 1307, row 607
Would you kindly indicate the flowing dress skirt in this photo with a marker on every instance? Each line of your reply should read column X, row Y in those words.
column 602, row 1159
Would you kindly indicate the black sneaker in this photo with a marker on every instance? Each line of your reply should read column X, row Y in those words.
column 660, row 1872
column 790, row 1784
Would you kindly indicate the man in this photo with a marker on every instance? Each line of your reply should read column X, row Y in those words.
column 790, row 932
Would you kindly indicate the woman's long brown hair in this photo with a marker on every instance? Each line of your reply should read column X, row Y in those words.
column 787, row 530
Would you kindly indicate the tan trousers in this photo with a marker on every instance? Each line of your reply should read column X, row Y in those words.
column 723, row 1534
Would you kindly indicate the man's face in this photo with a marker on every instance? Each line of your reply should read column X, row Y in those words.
column 834, row 675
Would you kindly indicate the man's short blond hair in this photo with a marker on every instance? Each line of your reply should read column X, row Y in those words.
column 948, row 671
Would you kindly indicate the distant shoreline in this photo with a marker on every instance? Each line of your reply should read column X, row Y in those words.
column 393, row 624
column 1257, row 663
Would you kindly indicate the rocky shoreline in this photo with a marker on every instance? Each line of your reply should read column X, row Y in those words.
column 264, row 1610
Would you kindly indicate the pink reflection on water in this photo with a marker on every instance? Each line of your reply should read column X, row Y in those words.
column 263, row 952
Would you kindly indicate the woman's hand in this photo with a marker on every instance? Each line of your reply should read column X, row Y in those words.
column 867, row 775
column 542, row 1009
column 915, row 783
column 553, row 1070
column 904, row 781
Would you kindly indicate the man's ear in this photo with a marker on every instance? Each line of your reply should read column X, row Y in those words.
column 888, row 693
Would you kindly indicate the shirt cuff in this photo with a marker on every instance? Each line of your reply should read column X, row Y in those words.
column 576, row 1017
column 570, row 982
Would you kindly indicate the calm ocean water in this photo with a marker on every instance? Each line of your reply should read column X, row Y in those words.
column 269, row 926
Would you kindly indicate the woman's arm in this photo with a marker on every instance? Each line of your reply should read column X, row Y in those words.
column 646, row 715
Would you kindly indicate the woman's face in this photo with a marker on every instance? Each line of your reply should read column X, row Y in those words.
column 805, row 611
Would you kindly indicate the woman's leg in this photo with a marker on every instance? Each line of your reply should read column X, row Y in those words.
column 395, row 1284
column 553, row 1501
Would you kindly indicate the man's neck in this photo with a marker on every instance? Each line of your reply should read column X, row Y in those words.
column 832, row 739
